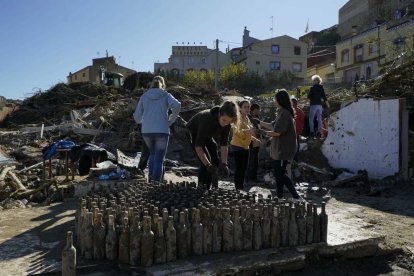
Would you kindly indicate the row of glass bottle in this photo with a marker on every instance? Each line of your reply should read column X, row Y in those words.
column 138, row 235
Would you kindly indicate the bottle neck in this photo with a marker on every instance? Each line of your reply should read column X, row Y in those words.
column 69, row 239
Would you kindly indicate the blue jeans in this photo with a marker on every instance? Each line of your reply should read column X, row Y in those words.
column 315, row 111
column 157, row 144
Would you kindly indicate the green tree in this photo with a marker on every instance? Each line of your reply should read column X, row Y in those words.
column 280, row 79
column 236, row 76
column 199, row 79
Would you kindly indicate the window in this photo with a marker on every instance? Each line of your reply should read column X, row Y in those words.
column 175, row 71
column 296, row 67
column 368, row 70
column 83, row 74
column 399, row 42
column 358, row 52
column 203, row 60
column 176, row 60
column 190, row 60
column 345, row 56
column 76, row 77
column 257, row 62
column 297, row 50
column 373, row 48
column 274, row 65
column 399, row 14
column 275, row 49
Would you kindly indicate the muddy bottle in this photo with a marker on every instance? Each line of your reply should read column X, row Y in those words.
column 257, row 231
column 324, row 223
column 111, row 240
column 196, row 234
column 275, row 229
column 99, row 233
column 82, row 230
column 284, row 225
column 182, row 237
column 123, row 252
column 237, row 231
column 88, row 236
column 309, row 223
column 79, row 219
column 293, row 229
column 217, row 235
column 171, row 240
column 165, row 218
column 69, row 257
column 207, row 231
column 155, row 217
column 247, row 227
column 147, row 243
column 160, row 254
column 265, row 228
column 301, row 223
column 135, row 243
column 228, row 245
column 316, row 225
column 188, row 224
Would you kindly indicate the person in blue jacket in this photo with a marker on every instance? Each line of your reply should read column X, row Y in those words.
column 153, row 113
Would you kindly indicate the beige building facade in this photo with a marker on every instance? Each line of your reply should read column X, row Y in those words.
column 363, row 55
column 187, row 58
column 272, row 55
column 95, row 73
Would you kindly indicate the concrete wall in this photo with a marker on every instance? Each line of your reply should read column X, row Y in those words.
column 354, row 12
column 363, row 14
column 365, row 135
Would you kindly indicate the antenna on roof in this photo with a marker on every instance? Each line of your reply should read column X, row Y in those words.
column 271, row 27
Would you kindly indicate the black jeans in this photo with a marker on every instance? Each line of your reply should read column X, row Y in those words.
column 279, row 170
column 211, row 152
column 241, row 160
column 253, row 163
column 143, row 161
column 297, row 151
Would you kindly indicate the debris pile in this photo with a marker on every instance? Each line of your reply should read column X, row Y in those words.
column 86, row 113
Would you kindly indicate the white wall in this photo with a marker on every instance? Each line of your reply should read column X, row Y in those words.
column 365, row 135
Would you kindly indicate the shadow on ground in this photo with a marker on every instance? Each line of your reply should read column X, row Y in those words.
column 35, row 246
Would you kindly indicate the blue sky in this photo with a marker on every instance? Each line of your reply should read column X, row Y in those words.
column 43, row 40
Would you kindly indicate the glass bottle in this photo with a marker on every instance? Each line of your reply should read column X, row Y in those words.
column 69, row 256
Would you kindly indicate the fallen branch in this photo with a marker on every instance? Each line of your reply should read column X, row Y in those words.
column 16, row 181
column 322, row 171
column 4, row 171
column 27, row 193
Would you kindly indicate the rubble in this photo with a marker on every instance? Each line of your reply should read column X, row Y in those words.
column 85, row 112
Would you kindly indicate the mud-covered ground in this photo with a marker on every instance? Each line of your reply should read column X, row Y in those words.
column 31, row 238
